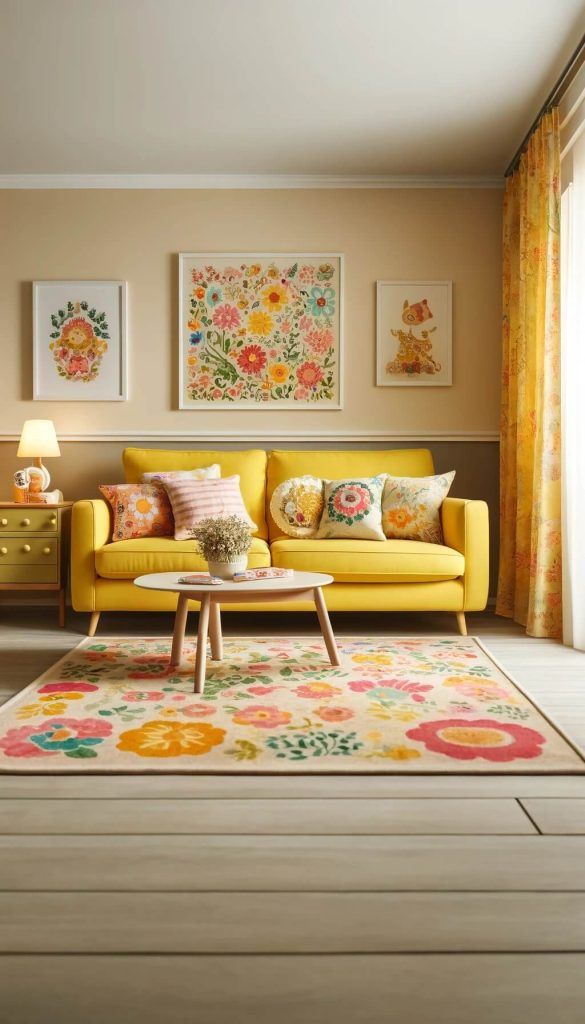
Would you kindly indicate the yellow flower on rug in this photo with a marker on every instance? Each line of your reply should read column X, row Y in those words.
column 171, row 739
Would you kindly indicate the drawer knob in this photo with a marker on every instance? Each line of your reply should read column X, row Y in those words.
column 26, row 548
column 46, row 551
column 25, row 522
column 3, row 551
column 4, row 522
column 53, row 520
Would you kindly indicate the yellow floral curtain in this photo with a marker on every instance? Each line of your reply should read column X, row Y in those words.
column 529, row 588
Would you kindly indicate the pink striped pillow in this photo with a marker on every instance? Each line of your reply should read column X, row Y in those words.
column 194, row 500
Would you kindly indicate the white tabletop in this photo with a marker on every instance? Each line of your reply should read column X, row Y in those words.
column 169, row 581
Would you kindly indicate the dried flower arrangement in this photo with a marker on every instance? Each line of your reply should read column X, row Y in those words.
column 223, row 539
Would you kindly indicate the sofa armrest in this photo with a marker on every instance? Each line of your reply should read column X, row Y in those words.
column 90, row 530
column 466, row 528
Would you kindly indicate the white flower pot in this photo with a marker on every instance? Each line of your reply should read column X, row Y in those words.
column 226, row 570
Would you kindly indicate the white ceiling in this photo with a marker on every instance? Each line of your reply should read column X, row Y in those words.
column 388, row 87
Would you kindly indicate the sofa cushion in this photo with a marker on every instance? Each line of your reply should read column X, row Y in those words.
column 126, row 559
column 370, row 561
column 250, row 464
column 336, row 465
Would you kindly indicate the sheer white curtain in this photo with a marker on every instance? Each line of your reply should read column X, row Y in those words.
column 573, row 400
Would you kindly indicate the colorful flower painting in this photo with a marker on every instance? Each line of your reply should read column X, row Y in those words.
column 275, row 704
column 79, row 340
column 260, row 331
column 413, row 333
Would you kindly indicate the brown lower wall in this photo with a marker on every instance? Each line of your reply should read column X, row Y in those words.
column 84, row 465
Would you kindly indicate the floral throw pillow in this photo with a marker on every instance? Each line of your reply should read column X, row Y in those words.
column 139, row 510
column 296, row 506
column 411, row 506
column 353, row 509
column 212, row 472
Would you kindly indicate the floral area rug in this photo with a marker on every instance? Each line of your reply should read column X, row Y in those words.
column 276, row 705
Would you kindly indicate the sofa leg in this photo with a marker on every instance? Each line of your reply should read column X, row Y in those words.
column 93, row 623
column 461, row 624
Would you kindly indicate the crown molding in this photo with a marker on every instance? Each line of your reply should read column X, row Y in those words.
column 243, row 181
column 302, row 436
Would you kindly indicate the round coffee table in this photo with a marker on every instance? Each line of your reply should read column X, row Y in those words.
column 303, row 586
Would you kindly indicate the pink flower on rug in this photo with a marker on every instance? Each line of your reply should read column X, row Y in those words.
column 67, row 687
column 198, row 710
column 69, row 736
column 480, row 737
column 480, row 689
column 335, row 714
column 262, row 691
column 263, row 716
column 316, row 690
column 361, row 685
column 137, row 696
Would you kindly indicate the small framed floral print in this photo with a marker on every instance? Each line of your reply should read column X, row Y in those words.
column 79, row 341
column 260, row 330
column 413, row 333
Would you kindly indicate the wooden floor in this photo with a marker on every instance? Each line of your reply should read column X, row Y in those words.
column 322, row 900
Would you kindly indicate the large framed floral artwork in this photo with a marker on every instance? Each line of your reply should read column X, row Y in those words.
column 413, row 334
column 260, row 330
column 79, row 341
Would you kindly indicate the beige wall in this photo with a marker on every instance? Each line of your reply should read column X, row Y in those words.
column 135, row 235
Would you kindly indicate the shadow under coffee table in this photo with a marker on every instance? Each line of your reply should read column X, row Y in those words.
column 302, row 586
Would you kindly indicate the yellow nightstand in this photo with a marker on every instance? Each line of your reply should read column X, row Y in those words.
column 34, row 548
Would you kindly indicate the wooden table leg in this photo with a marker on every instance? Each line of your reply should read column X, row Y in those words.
column 62, row 608
column 201, row 655
column 179, row 630
column 215, row 635
column 325, row 624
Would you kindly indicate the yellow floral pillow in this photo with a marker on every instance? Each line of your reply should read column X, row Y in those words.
column 411, row 506
column 296, row 506
column 139, row 510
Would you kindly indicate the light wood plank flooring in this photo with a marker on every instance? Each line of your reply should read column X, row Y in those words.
column 319, row 899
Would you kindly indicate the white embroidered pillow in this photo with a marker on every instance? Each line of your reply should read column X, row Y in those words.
column 296, row 506
column 194, row 500
column 411, row 506
column 212, row 472
column 353, row 509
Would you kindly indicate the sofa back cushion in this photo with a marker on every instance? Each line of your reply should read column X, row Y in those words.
column 250, row 465
column 336, row 465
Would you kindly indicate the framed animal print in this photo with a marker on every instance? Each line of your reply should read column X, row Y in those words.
column 79, row 341
column 413, row 334
column 260, row 330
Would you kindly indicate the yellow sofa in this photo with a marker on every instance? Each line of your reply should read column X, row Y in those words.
column 391, row 575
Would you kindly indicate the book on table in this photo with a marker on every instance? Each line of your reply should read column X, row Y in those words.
column 200, row 579
column 270, row 573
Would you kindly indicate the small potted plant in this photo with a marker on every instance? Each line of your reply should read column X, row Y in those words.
column 224, row 542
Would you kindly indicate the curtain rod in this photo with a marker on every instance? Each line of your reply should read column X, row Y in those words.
column 556, row 94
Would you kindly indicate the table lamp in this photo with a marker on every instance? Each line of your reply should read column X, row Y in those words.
column 38, row 440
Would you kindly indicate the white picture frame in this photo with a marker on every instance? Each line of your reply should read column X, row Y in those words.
column 190, row 263
column 414, row 342
column 80, row 341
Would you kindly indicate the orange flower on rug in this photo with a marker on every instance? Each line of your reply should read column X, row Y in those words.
column 276, row 705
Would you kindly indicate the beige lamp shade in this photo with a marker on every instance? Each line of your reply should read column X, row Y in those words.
column 38, row 439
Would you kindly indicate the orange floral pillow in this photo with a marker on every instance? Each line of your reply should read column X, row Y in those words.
column 411, row 506
column 139, row 510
